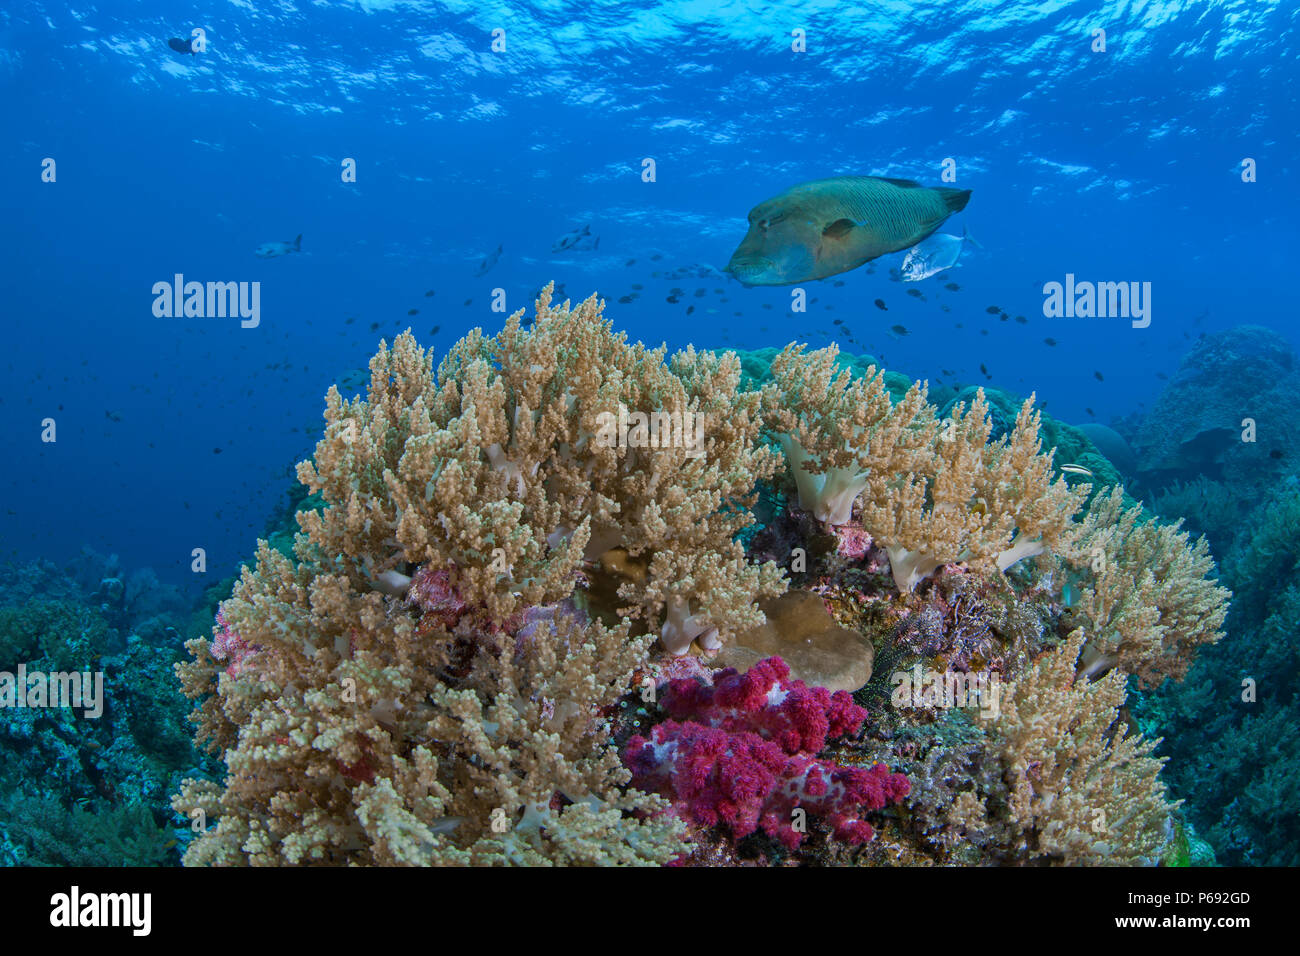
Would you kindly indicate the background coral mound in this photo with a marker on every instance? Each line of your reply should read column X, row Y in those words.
column 802, row 633
column 743, row 753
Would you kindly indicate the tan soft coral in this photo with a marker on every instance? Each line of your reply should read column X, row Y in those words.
column 967, row 499
column 1148, row 599
column 406, row 743
column 496, row 469
column 442, row 720
column 931, row 492
column 839, row 433
column 1081, row 790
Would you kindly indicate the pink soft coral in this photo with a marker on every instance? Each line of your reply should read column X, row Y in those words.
column 229, row 648
column 742, row 753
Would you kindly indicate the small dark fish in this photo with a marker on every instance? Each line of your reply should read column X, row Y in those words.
column 636, row 285
column 428, row 294
column 181, row 46
column 993, row 310
column 1162, row 375
column 1050, row 341
column 579, row 240
column 899, row 330
column 916, row 294
column 488, row 262
column 625, row 299
column 690, row 309
column 1091, row 412
column 630, row 262
column 1022, row 320
column 837, row 283
column 1002, row 316
column 985, row 371
column 350, row 319
column 435, row 330
column 952, row 287
column 672, row 299
column 112, row 416
column 216, row 451
column 838, row 322
column 374, row 326
column 468, row 301
column 1097, row 376
column 412, row 311
column 880, row 304
column 655, row 258
column 1275, row 453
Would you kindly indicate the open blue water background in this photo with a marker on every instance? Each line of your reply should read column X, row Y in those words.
column 1118, row 166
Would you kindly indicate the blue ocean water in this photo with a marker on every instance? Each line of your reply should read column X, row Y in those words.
column 1122, row 165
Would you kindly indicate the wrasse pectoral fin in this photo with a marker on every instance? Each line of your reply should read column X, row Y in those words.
column 838, row 229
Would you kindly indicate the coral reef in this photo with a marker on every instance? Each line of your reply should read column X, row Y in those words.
column 1198, row 425
column 503, row 564
column 104, row 771
column 1238, row 709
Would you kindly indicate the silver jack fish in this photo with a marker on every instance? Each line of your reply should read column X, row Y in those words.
column 828, row 226
column 932, row 256
column 269, row 250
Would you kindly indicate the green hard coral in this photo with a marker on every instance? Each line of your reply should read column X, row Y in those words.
column 66, row 634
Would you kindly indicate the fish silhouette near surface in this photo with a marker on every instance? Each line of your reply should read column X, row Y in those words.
column 488, row 262
column 935, row 254
column 181, row 46
column 579, row 240
column 269, row 250
column 828, row 226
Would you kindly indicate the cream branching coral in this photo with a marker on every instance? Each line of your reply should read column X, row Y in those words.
column 932, row 492
column 417, row 739
column 1148, row 599
column 839, row 433
column 1081, row 790
column 971, row 500
column 534, row 449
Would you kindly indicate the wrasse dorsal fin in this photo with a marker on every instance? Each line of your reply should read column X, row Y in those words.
column 839, row 229
column 904, row 183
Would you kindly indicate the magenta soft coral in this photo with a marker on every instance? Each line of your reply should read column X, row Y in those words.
column 743, row 754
